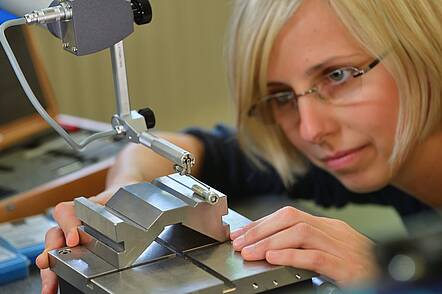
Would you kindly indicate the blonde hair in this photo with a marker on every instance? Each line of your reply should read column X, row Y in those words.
column 409, row 30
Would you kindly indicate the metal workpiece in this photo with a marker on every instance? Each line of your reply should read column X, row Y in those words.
column 79, row 266
column 181, row 260
column 173, row 275
column 163, row 237
column 135, row 216
column 247, row 277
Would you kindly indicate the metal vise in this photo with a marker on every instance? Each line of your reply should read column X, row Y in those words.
column 164, row 237
column 134, row 217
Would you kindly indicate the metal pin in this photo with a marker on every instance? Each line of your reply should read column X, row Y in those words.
column 208, row 195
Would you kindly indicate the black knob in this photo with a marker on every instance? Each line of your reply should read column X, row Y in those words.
column 149, row 117
column 142, row 11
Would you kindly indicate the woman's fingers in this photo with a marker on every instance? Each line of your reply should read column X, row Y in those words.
column 49, row 283
column 64, row 214
column 346, row 232
column 65, row 234
column 283, row 212
column 54, row 239
column 301, row 235
column 235, row 234
column 271, row 224
column 294, row 238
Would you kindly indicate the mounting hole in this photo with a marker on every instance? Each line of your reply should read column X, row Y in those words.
column 64, row 251
column 255, row 286
column 275, row 282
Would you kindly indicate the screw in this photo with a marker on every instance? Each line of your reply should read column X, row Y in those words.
column 64, row 251
column 275, row 282
column 255, row 286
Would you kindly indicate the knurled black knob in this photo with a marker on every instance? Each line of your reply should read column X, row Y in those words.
column 149, row 117
column 142, row 11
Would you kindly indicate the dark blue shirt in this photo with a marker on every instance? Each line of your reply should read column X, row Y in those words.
column 228, row 169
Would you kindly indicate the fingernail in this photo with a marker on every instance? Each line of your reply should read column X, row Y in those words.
column 68, row 238
column 235, row 234
column 249, row 249
column 270, row 255
column 238, row 242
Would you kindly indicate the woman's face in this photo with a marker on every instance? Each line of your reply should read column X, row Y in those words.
column 352, row 142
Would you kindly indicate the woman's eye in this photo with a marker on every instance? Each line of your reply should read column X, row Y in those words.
column 339, row 76
column 283, row 97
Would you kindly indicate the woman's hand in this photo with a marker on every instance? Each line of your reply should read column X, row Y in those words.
column 65, row 234
column 294, row 238
column 134, row 164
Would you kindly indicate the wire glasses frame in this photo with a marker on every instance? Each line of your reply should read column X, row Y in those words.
column 287, row 96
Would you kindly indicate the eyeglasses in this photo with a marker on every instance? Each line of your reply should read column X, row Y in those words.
column 338, row 87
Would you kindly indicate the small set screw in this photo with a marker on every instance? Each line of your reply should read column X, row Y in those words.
column 64, row 251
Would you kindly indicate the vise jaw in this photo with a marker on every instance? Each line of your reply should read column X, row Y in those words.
column 134, row 217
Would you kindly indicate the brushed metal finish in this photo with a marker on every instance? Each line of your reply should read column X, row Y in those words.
column 174, row 275
column 196, row 264
column 247, row 276
column 135, row 215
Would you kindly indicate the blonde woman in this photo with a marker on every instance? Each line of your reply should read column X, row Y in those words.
column 337, row 101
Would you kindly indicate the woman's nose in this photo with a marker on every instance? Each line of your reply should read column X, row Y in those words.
column 316, row 119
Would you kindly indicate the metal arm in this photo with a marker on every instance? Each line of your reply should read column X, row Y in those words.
column 128, row 123
column 133, row 125
column 120, row 79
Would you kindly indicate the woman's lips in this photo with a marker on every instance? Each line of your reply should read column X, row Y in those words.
column 343, row 159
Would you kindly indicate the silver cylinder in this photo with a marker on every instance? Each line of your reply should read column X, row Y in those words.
column 164, row 148
column 120, row 79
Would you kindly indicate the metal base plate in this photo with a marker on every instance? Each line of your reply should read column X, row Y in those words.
column 179, row 261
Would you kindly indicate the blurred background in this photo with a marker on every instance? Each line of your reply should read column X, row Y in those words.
column 174, row 64
column 176, row 67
